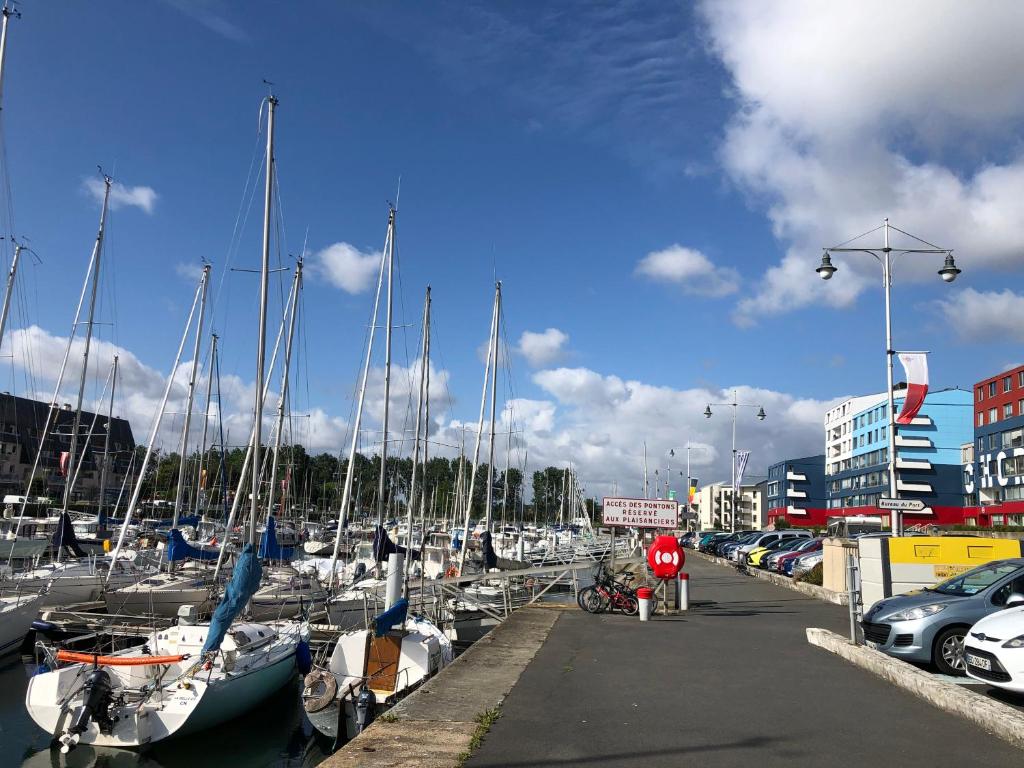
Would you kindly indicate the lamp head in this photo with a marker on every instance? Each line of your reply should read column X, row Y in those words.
column 949, row 270
column 707, row 412
column 826, row 269
column 761, row 414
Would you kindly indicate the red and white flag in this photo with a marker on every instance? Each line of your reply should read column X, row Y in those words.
column 916, row 366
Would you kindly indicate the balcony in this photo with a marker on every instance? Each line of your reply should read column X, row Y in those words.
column 793, row 493
column 798, row 477
column 902, row 463
column 913, row 487
column 907, row 441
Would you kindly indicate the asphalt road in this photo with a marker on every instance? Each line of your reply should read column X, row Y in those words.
column 734, row 682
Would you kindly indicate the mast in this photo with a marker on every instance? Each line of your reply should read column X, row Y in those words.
column 106, row 451
column 646, row 491
column 387, row 370
column 494, row 400
column 504, row 492
column 261, row 345
column 479, row 435
column 416, row 439
column 10, row 275
column 346, row 493
column 200, row 480
column 7, row 12
column 179, row 493
column 96, row 254
column 296, row 287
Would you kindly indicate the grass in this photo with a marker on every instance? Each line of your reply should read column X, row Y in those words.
column 813, row 576
column 484, row 721
column 387, row 717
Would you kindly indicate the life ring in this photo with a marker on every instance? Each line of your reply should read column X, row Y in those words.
column 319, row 689
column 451, row 572
column 118, row 661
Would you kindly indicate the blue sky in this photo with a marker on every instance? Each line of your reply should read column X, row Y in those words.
column 557, row 147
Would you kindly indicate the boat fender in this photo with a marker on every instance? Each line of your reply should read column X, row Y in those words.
column 303, row 658
column 365, row 705
column 318, row 690
column 44, row 626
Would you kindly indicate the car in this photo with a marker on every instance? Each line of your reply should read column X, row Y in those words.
column 764, row 539
column 994, row 648
column 708, row 542
column 784, row 561
column 929, row 625
column 786, row 547
column 728, row 540
column 805, row 562
column 727, row 547
column 756, row 557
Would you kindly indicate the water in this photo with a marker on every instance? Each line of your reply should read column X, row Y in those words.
column 274, row 735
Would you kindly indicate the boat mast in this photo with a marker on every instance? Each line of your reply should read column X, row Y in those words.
column 296, row 288
column 96, row 254
column 346, row 493
column 200, row 480
column 261, row 345
column 424, row 362
column 106, row 451
column 479, row 434
column 10, row 281
column 7, row 12
column 494, row 400
column 180, row 492
column 381, row 506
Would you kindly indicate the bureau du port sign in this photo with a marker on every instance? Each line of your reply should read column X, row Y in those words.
column 640, row 513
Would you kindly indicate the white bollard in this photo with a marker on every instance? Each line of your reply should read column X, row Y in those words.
column 394, row 583
column 683, row 591
column 645, row 596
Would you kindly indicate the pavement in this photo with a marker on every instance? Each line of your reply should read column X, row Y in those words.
column 733, row 681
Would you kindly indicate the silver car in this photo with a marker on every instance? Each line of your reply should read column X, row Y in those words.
column 929, row 625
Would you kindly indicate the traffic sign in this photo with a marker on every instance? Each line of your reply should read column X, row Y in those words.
column 906, row 505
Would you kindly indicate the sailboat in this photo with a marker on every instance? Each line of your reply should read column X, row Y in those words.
column 194, row 675
column 17, row 612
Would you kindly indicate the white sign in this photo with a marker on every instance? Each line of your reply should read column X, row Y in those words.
column 907, row 505
column 641, row 513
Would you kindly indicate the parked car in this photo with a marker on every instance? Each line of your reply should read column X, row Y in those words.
column 757, row 556
column 994, row 648
column 785, row 560
column 763, row 540
column 786, row 546
column 804, row 563
column 728, row 540
column 727, row 548
column 709, row 541
column 929, row 625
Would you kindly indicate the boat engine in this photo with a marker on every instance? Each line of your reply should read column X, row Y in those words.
column 96, row 700
column 365, row 705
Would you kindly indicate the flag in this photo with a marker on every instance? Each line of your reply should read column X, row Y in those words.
column 741, row 467
column 693, row 488
column 202, row 478
column 65, row 457
column 916, row 366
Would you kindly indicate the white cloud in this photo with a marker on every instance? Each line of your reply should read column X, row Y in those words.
column 543, row 348
column 345, row 266
column 829, row 141
column 986, row 316
column 120, row 195
column 190, row 272
column 690, row 269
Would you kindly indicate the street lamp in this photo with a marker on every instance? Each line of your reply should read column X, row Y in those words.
column 885, row 256
column 761, row 416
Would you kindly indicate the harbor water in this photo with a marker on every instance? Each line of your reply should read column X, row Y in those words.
column 273, row 735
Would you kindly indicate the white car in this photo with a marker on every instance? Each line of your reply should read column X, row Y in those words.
column 804, row 563
column 770, row 537
column 994, row 647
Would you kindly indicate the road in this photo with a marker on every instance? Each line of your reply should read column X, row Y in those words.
column 733, row 682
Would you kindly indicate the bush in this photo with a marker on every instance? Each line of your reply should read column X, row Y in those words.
column 814, row 576
column 782, row 524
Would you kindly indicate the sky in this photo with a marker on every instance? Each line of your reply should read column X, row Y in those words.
column 652, row 183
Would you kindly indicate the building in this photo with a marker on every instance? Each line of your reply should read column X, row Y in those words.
column 713, row 505
column 928, row 456
column 795, row 491
column 993, row 469
column 21, row 424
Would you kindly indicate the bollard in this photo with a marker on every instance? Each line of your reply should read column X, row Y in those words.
column 683, row 591
column 645, row 596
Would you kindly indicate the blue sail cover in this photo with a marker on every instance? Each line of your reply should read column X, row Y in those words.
column 393, row 616
column 490, row 556
column 179, row 549
column 384, row 546
column 245, row 580
column 269, row 548
column 64, row 536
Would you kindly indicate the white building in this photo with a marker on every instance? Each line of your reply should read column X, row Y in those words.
column 839, row 431
column 714, row 506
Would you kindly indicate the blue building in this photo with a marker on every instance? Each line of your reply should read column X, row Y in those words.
column 928, row 457
column 796, row 490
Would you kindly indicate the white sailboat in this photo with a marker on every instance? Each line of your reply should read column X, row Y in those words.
column 17, row 612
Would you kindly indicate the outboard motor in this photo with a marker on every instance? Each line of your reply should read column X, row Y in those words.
column 96, row 700
column 359, row 572
column 365, row 705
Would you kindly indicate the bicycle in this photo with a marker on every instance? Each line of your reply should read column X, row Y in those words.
column 607, row 593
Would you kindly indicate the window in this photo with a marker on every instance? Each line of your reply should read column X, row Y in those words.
column 991, row 389
column 1020, row 407
column 981, row 419
column 981, row 392
column 992, row 416
column 1020, row 379
column 883, row 433
column 1007, row 384
column 1008, row 410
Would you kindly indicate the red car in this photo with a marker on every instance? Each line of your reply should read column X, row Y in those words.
column 814, row 546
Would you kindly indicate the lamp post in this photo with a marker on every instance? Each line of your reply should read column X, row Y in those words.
column 735, row 405
column 885, row 256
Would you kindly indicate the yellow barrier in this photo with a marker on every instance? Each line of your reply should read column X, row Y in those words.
column 951, row 550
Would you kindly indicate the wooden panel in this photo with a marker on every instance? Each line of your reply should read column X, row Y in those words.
column 382, row 663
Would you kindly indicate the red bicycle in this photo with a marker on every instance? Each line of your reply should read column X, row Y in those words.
column 607, row 593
